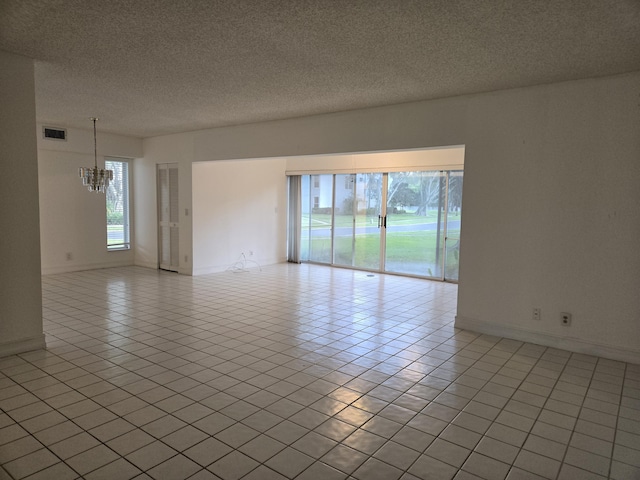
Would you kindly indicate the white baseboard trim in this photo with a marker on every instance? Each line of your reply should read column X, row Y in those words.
column 153, row 265
column 78, row 268
column 572, row 344
column 217, row 269
column 250, row 266
column 22, row 345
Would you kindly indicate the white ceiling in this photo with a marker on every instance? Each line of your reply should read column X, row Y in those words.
column 152, row 67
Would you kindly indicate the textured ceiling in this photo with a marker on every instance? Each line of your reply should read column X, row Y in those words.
column 156, row 67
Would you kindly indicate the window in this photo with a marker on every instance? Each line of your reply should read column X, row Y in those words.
column 118, row 237
column 316, row 181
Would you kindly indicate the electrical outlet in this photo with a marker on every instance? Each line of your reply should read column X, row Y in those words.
column 565, row 319
column 186, row 259
column 535, row 314
column 69, row 256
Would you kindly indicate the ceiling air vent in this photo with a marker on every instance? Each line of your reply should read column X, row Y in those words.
column 53, row 133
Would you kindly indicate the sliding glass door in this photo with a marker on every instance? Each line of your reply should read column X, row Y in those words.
column 358, row 214
column 415, row 233
column 396, row 222
column 454, row 221
column 317, row 218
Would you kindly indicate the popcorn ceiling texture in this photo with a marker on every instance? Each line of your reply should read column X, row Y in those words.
column 150, row 67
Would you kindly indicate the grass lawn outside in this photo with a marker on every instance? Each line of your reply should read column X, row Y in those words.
column 412, row 252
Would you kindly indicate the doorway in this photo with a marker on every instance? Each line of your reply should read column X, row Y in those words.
column 168, row 217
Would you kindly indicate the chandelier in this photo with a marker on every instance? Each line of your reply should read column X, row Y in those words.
column 94, row 178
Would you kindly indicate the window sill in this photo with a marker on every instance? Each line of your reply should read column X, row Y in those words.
column 118, row 249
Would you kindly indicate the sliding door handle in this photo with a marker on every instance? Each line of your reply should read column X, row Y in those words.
column 385, row 221
column 379, row 221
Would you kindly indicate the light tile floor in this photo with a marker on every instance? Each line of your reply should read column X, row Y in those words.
column 305, row 372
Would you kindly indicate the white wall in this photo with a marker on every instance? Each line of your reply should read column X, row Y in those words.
column 238, row 207
column 551, row 199
column 20, row 283
column 72, row 219
column 446, row 158
column 552, row 216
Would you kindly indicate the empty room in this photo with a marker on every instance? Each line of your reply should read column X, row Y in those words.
column 320, row 240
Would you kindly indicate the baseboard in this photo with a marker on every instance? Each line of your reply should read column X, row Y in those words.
column 185, row 271
column 23, row 345
column 153, row 265
column 217, row 269
column 572, row 344
column 78, row 268
column 250, row 266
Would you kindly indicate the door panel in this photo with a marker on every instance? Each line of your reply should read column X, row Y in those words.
column 414, row 234
column 344, row 219
column 168, row 217
column 452, row 240
column 358, row 220
column 317, row 218
column 369, row 219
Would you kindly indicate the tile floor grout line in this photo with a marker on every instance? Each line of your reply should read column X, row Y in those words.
column 562, row 461
column 615, row 431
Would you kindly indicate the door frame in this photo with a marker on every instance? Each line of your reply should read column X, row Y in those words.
column 159, row 222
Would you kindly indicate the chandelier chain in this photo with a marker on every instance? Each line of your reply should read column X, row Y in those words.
column 94, row 178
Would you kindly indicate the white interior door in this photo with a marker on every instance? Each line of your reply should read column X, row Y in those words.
column 168, row 217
